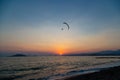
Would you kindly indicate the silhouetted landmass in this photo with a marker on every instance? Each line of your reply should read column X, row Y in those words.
column 101, row 53
column 19, row 55
column 9, row 54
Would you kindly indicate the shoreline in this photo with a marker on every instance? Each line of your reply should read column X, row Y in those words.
column 112, row 73
column 89, row 73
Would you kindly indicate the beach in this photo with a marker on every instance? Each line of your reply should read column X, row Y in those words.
column 107, row 74
column 59, row 68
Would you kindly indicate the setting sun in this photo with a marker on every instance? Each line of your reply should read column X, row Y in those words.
column 60, row 49
column 60, row 53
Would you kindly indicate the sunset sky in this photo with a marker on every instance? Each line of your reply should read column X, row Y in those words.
column 35, row 25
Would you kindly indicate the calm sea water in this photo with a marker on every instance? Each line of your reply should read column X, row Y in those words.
column 50, row 67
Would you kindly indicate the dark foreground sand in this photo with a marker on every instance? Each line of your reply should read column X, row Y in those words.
column 107, row 74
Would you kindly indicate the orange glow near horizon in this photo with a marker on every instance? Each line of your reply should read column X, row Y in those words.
column 62, row 45
column 60, row 48
column 60, row 51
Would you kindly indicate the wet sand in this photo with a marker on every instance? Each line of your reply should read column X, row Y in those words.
column 107, row 74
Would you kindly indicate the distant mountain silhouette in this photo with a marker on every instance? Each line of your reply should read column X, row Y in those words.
column 19, row 55
column 22, row 53
column 108, row 53
column 101, row 53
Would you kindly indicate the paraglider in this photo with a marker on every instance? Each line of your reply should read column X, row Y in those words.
column 68, row 27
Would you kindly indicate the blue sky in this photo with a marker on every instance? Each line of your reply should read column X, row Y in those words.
column 36, row 23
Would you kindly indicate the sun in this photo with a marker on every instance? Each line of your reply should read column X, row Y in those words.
column 60, row 53
column 60, row 49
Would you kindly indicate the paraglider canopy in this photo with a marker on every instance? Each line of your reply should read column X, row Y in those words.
column 68, row 27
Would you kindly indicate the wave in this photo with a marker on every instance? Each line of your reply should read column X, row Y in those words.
column 84, row 71
column 25, row 69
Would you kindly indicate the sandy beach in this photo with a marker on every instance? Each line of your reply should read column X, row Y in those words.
column 107, row 74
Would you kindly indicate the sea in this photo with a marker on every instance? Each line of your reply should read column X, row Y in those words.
column 52, row 67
